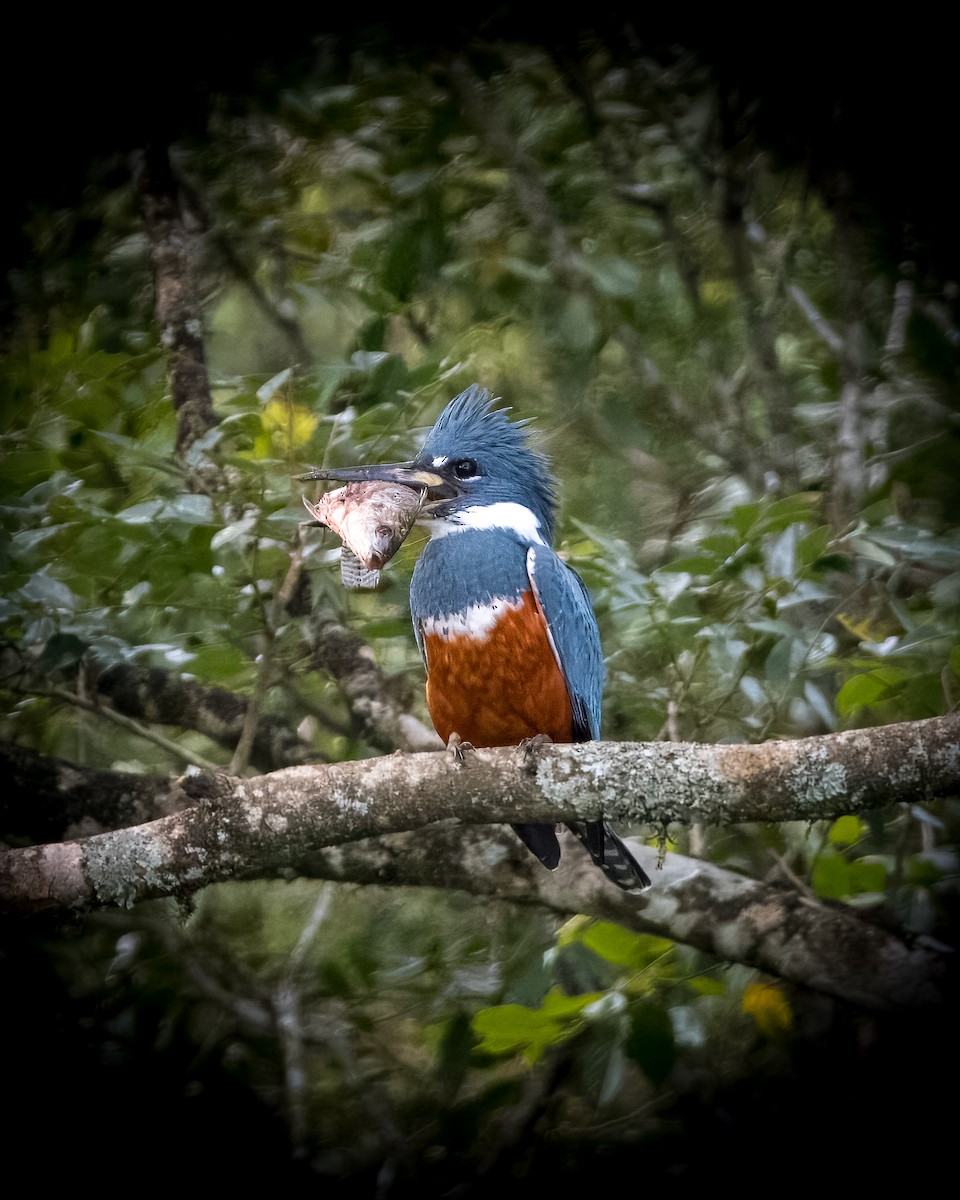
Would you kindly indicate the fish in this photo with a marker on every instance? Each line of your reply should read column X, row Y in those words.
column 372, row 520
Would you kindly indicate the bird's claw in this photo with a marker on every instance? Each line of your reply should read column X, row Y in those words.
column 458, row 749
column 529, row 748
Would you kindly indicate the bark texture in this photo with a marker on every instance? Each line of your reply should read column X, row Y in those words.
column 264, row 826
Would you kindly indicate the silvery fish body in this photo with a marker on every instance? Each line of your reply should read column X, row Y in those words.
column 372, row 519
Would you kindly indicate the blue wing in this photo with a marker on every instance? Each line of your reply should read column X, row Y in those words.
column 566, row 607
column 565, row 604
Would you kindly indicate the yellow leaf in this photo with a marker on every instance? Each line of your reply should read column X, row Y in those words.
column 769, row 1007
column 289, row 425
column 862, row 628
column 716, row 291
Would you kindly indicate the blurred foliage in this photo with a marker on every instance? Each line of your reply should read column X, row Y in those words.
column 381, row 240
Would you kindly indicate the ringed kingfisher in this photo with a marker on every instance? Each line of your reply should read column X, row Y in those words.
column 505, row 627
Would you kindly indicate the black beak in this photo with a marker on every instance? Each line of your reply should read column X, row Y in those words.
column 411, row 474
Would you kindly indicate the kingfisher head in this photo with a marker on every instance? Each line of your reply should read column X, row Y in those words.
column 479, row 471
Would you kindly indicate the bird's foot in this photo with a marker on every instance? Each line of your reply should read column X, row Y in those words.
column 458, row 749
column 529, row 749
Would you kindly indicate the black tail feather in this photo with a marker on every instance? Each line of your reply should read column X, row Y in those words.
column 605, row 847
column 611, row 855
column 540, row 840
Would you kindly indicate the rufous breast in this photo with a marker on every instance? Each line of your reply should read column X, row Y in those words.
column 492, row 675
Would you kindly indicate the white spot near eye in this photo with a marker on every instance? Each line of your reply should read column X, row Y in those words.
column 476, row 622
column 439, row 460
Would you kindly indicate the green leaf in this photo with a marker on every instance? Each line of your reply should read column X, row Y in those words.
column 222, row 664
column 847, row 831
column 721, row 545
column 764, row 517
column 533, row 272
column 909, row 541
column 41, row 589
column 831, row 876
column 753, row 690
column 508, row 1028
column 622, row 947
column 266, row 391
column 921, row 872
column 189, row 509
column 613, row 276
column 238, row 531
column 707, row 985
column 693, row 564
column 62, row 650
column 614, row 943
column 863, row 691
column 868, row 875
column 780, row 554
column 577, row 328
column 836, row 879
column 945, row 593
column 141, row 514
column 744, row 517
column 558, row 1004
column 387, row 627
column 813, row 545
column 186, row 509
column 778, row 667
column 650, row 1041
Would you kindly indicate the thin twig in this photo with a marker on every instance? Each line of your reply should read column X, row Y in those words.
column 132, row 726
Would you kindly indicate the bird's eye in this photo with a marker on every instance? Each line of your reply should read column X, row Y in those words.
column 466, row 468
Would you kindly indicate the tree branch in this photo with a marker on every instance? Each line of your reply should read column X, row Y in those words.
column 165, row 698
column 47, row 799
column 775, row 928
column 178, row 308
column 260, row 827
column 381, row 703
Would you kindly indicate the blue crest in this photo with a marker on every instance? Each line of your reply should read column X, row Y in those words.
column 470, row 427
